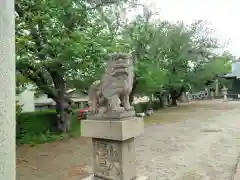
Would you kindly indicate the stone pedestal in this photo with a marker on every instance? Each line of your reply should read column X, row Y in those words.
column 113, row 147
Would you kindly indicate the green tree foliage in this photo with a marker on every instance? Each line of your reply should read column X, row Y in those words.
column 166, row 54
column 59, row 40
column 62, row 43
column 217, row 67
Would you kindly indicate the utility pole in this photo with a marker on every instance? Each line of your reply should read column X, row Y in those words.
column 7, row 91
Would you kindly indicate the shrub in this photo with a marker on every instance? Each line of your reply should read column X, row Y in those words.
column 18, row 109
column 40, row 127
column 143, row 107
column 156, row 105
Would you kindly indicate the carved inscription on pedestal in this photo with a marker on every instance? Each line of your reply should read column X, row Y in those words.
column 107, row 154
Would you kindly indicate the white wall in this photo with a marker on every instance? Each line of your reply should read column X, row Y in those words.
column 26, row 99
column 43, row 99
column 141, row 99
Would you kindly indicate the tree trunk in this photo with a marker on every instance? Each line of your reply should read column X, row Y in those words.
column 174, row 102
column 64, row 115
column 174, row 96
column 63, row 104
column 161, row 102
column 160, row 97
column 168, row 100
column 7, row 95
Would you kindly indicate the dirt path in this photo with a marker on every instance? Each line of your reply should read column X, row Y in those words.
column 196, row 141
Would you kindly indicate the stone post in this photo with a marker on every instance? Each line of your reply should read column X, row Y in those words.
column 224, row 92
column 7, row 94
column 114, row 155
column 113, row 127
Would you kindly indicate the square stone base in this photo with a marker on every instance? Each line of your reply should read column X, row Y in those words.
column 114, row 155
column 113, row 129
column 92, row 177
column 114, row 160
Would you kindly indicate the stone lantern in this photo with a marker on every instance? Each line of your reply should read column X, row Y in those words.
column 224, row 92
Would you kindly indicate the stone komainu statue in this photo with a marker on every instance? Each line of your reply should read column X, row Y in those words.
column 113, row 90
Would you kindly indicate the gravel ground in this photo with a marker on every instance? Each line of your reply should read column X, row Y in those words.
column 203, row 146
column 195, row 141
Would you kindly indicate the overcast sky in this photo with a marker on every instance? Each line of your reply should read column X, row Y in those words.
column 223, row 16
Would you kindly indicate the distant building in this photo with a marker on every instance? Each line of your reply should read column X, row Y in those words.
column 26, row 99
column 234, row 76
column 31, row 103
column 78, row 98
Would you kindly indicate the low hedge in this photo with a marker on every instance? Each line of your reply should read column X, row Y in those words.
column 40, row 127
column 143, row 107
